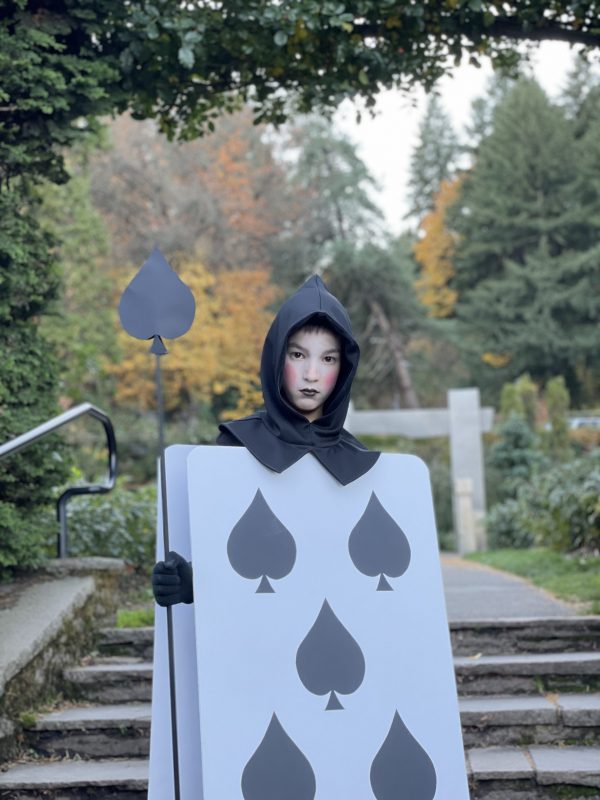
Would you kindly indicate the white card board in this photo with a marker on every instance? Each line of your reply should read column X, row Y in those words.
column 184, row 638
column 248, row 661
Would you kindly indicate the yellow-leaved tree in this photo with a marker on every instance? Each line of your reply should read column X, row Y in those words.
column 218, row 359
column 434, row 252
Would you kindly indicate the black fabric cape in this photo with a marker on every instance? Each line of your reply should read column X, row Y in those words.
column 279, row 436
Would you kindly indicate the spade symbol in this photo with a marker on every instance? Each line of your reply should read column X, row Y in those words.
column 157, row 303
column 402, row 770
column 260, row 545
column 329, row 659
column 278, row 769
column 378, row 546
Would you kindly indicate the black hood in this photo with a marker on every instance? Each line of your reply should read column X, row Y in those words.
column 280, row 435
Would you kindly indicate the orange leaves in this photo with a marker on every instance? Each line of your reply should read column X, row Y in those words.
column 220, row 355
column 434, row 252
column 496, row 360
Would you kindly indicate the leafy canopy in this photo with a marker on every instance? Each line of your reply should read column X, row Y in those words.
column 182, row 61
column 185, row 63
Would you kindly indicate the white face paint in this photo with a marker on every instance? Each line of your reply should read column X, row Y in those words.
column 311, row 369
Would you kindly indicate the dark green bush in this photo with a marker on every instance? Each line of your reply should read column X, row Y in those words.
column 559, row 508
column 121, row 524
column 28, row 381
column 514, row 457
column 506, row 527
column 23, row 536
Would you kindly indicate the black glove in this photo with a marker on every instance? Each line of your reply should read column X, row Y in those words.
column 172, row 580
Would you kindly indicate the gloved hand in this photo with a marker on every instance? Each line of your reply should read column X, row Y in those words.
column 172, row 580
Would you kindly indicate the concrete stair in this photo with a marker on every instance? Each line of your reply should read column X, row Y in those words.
column 530, row 716
column 111, row 680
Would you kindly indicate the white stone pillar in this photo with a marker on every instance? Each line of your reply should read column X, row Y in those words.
column 466, row 459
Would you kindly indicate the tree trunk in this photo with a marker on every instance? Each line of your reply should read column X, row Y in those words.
column 401, row 370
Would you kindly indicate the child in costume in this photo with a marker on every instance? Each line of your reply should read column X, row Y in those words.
column 308, row 363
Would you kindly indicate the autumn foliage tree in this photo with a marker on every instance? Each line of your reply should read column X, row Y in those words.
column 223, row 195
column 434, row 253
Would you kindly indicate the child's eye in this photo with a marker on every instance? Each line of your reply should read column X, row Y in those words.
column 295, row 355
column 330, row 359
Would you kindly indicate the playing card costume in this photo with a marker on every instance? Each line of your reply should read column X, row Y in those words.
column 315, row 660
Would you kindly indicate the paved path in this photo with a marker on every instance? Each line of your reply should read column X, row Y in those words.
column 474, row 591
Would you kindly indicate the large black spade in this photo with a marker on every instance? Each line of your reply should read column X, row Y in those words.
column 278, row 770
column 260, row 545
column 378, row 545
column 402, row 770
column 329, row 659
column 156, row 303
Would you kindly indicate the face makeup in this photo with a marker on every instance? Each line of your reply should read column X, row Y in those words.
column 311, row 368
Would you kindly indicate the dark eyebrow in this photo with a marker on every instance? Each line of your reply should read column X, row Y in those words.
column 297, row 346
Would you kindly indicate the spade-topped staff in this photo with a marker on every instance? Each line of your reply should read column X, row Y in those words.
column 154, row 305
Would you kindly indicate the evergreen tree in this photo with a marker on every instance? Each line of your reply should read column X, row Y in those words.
column 376, row 283
column 483, row 108
column 336, row 182
column 331, row 190
column 434, row 159
column 84, row 342
column 527, row 259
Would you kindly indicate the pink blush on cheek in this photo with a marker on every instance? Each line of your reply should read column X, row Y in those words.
column 330, row 379
column 289, row 374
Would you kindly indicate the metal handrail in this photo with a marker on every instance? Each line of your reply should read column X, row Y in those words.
column 25, row 439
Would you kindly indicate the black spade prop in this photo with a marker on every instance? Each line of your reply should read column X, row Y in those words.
column 260, row 545
column 402, row 770
column 278, row 769
column 329, row 659
column 157, row 304
column 378, row 545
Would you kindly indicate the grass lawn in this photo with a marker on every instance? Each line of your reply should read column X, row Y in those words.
column 137, row 604
column 571, row 577
column 135, row 617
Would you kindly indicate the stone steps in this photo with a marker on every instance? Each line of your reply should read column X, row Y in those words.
column 535, row 673
column 122, row 679
column 118, row 779
column 107, row 731
column 135, row 642
column 491, row 637
column 544, row 635
column 111, row 680
column 489, row 721
column 122, row 731
column 502, row 773
column 530, row 716
column 534, row 773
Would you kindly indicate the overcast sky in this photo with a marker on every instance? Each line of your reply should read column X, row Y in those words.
column 386, row 142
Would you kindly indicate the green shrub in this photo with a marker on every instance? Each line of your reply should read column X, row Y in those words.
column 28, row 379
column 563, row 505
column 121, row 524
column 559, row 508
column 558, row 402
column 514, row 458
column 23, row 536
column 506, row 527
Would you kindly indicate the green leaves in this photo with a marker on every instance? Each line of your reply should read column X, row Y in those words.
column 185, row 56
column 528, row 249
